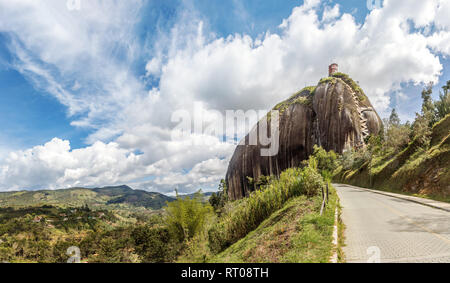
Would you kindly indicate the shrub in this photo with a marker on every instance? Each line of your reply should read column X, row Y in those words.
column 354, row 159
column 219, row 199
column 185, row 217
column 326, row 161
column 311, row 181
column 154, row 244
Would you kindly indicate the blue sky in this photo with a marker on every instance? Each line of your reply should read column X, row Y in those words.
column 102, row 80
column 30, row 116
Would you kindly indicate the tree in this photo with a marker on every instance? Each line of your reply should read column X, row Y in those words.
column 424, row 121
column 443, row 104
column 422, row 130
column 394, row 119
column 154, row 244
column 219, row 199
column 186, row 217
column 427, row 104
column 396, row 135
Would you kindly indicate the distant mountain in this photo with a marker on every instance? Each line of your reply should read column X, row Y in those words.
column 139, row 198
column 205, row 196
column 119, row 196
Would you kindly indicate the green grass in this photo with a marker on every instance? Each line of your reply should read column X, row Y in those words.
column 294, row 234
column 440, row 130
column 327, row 80
column 266, row 218
column 341, row 236
column 349, row 81
column 302, row 97
column 251, row 211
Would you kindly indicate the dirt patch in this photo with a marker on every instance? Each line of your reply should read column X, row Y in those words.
column 428, row 183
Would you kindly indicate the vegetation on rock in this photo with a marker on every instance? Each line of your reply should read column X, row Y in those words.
column 350, row 82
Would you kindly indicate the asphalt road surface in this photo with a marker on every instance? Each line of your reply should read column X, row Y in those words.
column 385, row 229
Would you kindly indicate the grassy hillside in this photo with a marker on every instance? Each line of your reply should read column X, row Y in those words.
column 279, row 222
column 114, row 197
column 414, row 170
column 296, row 233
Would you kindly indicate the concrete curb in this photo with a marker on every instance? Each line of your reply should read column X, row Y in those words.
column 334, row 257
column 423, row 201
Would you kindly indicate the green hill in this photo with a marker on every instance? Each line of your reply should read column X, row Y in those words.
column 414, row 170
column 295, row 233
column 279, row 222
column 120, row 196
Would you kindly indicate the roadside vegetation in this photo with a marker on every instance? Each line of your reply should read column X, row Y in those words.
column 410, row 158
column 279, row 222
column 282, row 218
column 294, row 233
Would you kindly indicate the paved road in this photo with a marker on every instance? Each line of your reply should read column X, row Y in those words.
column 397, row 230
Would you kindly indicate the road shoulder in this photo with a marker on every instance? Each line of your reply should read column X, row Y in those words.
column 423, row 201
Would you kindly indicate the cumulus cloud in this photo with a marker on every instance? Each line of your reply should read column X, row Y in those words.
column 83, row 59
column 330, row 13
column 242, row 72
column 201, row 176
column 54, row 166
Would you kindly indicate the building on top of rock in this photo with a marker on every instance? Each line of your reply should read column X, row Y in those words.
column 333, row 68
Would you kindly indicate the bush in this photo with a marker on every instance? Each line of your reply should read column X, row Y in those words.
column 219, row 199
column 326, row 161
column 397, row 137
column 311, row 181
column 154, row 244
column 354, row 159
column 186, row 217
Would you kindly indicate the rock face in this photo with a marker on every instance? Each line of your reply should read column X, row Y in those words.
column 336, row 115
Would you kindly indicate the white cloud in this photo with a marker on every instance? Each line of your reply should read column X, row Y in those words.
column 440, row 42
column 330, row 13
column 201, row 176
column 153, row 67
column 240, row 72
column 55, row 166
column 82, row 59
column 90, row 49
